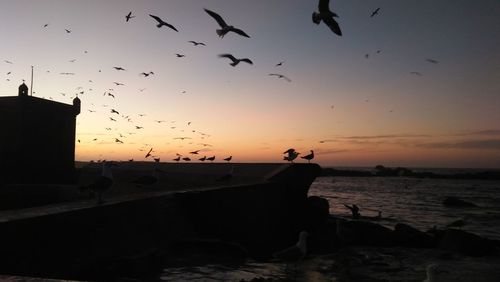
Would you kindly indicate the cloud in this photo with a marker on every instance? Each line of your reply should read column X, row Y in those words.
column 487, row 132
column 385, row 136
column 489, row 144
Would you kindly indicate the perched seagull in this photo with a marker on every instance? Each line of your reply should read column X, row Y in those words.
column 281, row 76
column 324, row 14
column 374, row 13
column 235, row 61
column 309, row 157
column 177, row 159
column 187, row 159
column 129, row 16
column 296, row 252
column 197, row 43
column 291, row 150
column 203, row 159
column 291, row 156
column 211, row 159
column 102, row 183
column 432, row 61
column 119, row 68
column 228, row 159
column 224, row 27
column 162, row 23
column 147, row 180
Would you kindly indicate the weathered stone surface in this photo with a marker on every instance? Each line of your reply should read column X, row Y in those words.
column 364, row 233
column 466, row 243
column 456, row 202
column 408, row 236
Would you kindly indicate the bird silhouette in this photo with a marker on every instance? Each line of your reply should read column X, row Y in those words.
column 149, row 153
column 180, row 55
column 211, row 159
column 432, row 61
column 119, row 68
column 235, row 61
column 228, row 159
column 295, row 252
column 67, row 30
column 113, row 111
column 118, row 141
column 324, row 14
column 146, row 74
column 224, row 27
column 194, row 152
column 374, row 12
column 177, row 159
column 112, row 119
column 129, row 16
column 280, row 76
column 162, row 23
column 292, row 155
column 118, row 83
column 309, row 157
column 187, row 159
column 279, row 64
column 203, row 159
column 416, row 73
column 102, row 183
column 197, row 43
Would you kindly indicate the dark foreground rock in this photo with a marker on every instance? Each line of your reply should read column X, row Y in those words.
column 466, row 243
column 408, row 236
column 456, row 202
column 363, row 233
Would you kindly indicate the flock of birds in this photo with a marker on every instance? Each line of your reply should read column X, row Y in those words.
column 323, row 14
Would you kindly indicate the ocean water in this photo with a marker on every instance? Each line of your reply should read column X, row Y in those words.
column 417, row 202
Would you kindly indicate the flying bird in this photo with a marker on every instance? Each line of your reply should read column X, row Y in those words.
column 162, row 23
column 432, row 61
column 149, row 153
column 374, row 13
column 224, row 27
column 235, row 61
column 281, row 76
column 119, row 83
column 416, row 73
column 292, row 155
column 146, row 74
column 129, row 16
column 112, row 119
column 280, row 64
column 309, row 157
column 324, row 14
column 118, row 141
column 113, row 111
column 197, row 43
column 46, row 25
column 194, row 152
column 119, row 68
column 180, row 55
column 67, row 30
column 138, row 127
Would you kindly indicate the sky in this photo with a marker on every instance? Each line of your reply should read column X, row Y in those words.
column 352, row 105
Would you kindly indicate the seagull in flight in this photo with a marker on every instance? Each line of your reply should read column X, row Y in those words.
column 374, row 13
column 416, row 73
column 224, row 27
column 118, row 83
column 113, row 111
column 432, row 61
column 118, row 141
column 235, row 61
column 149, row 153
column 67, row 30
column 129, row 16
column 146, row 74
column 280, row 64
column 194, row 152
column 197, row 43
column 324, row 14
column 119, row 68
column 281, row 76
column 162, row 23
column 180, row 55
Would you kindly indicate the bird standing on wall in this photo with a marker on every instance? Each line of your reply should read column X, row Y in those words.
column 292, row 155
column 102, row 183
column 309, row 157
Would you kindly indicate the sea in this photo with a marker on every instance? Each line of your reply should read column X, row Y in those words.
column 417, row 202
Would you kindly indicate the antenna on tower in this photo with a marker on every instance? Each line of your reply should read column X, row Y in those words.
column 31, row 88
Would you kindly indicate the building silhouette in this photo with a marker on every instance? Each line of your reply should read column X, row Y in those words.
column 37, row 139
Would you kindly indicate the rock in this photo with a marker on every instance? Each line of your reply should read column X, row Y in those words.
column 408, row 236
column 466, row 243
column 364, row 233
column 456, row 202
column 317, row 211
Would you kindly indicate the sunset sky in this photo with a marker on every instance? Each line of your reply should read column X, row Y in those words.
column 352, row 110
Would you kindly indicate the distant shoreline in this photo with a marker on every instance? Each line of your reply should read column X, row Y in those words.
column 439, row 173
